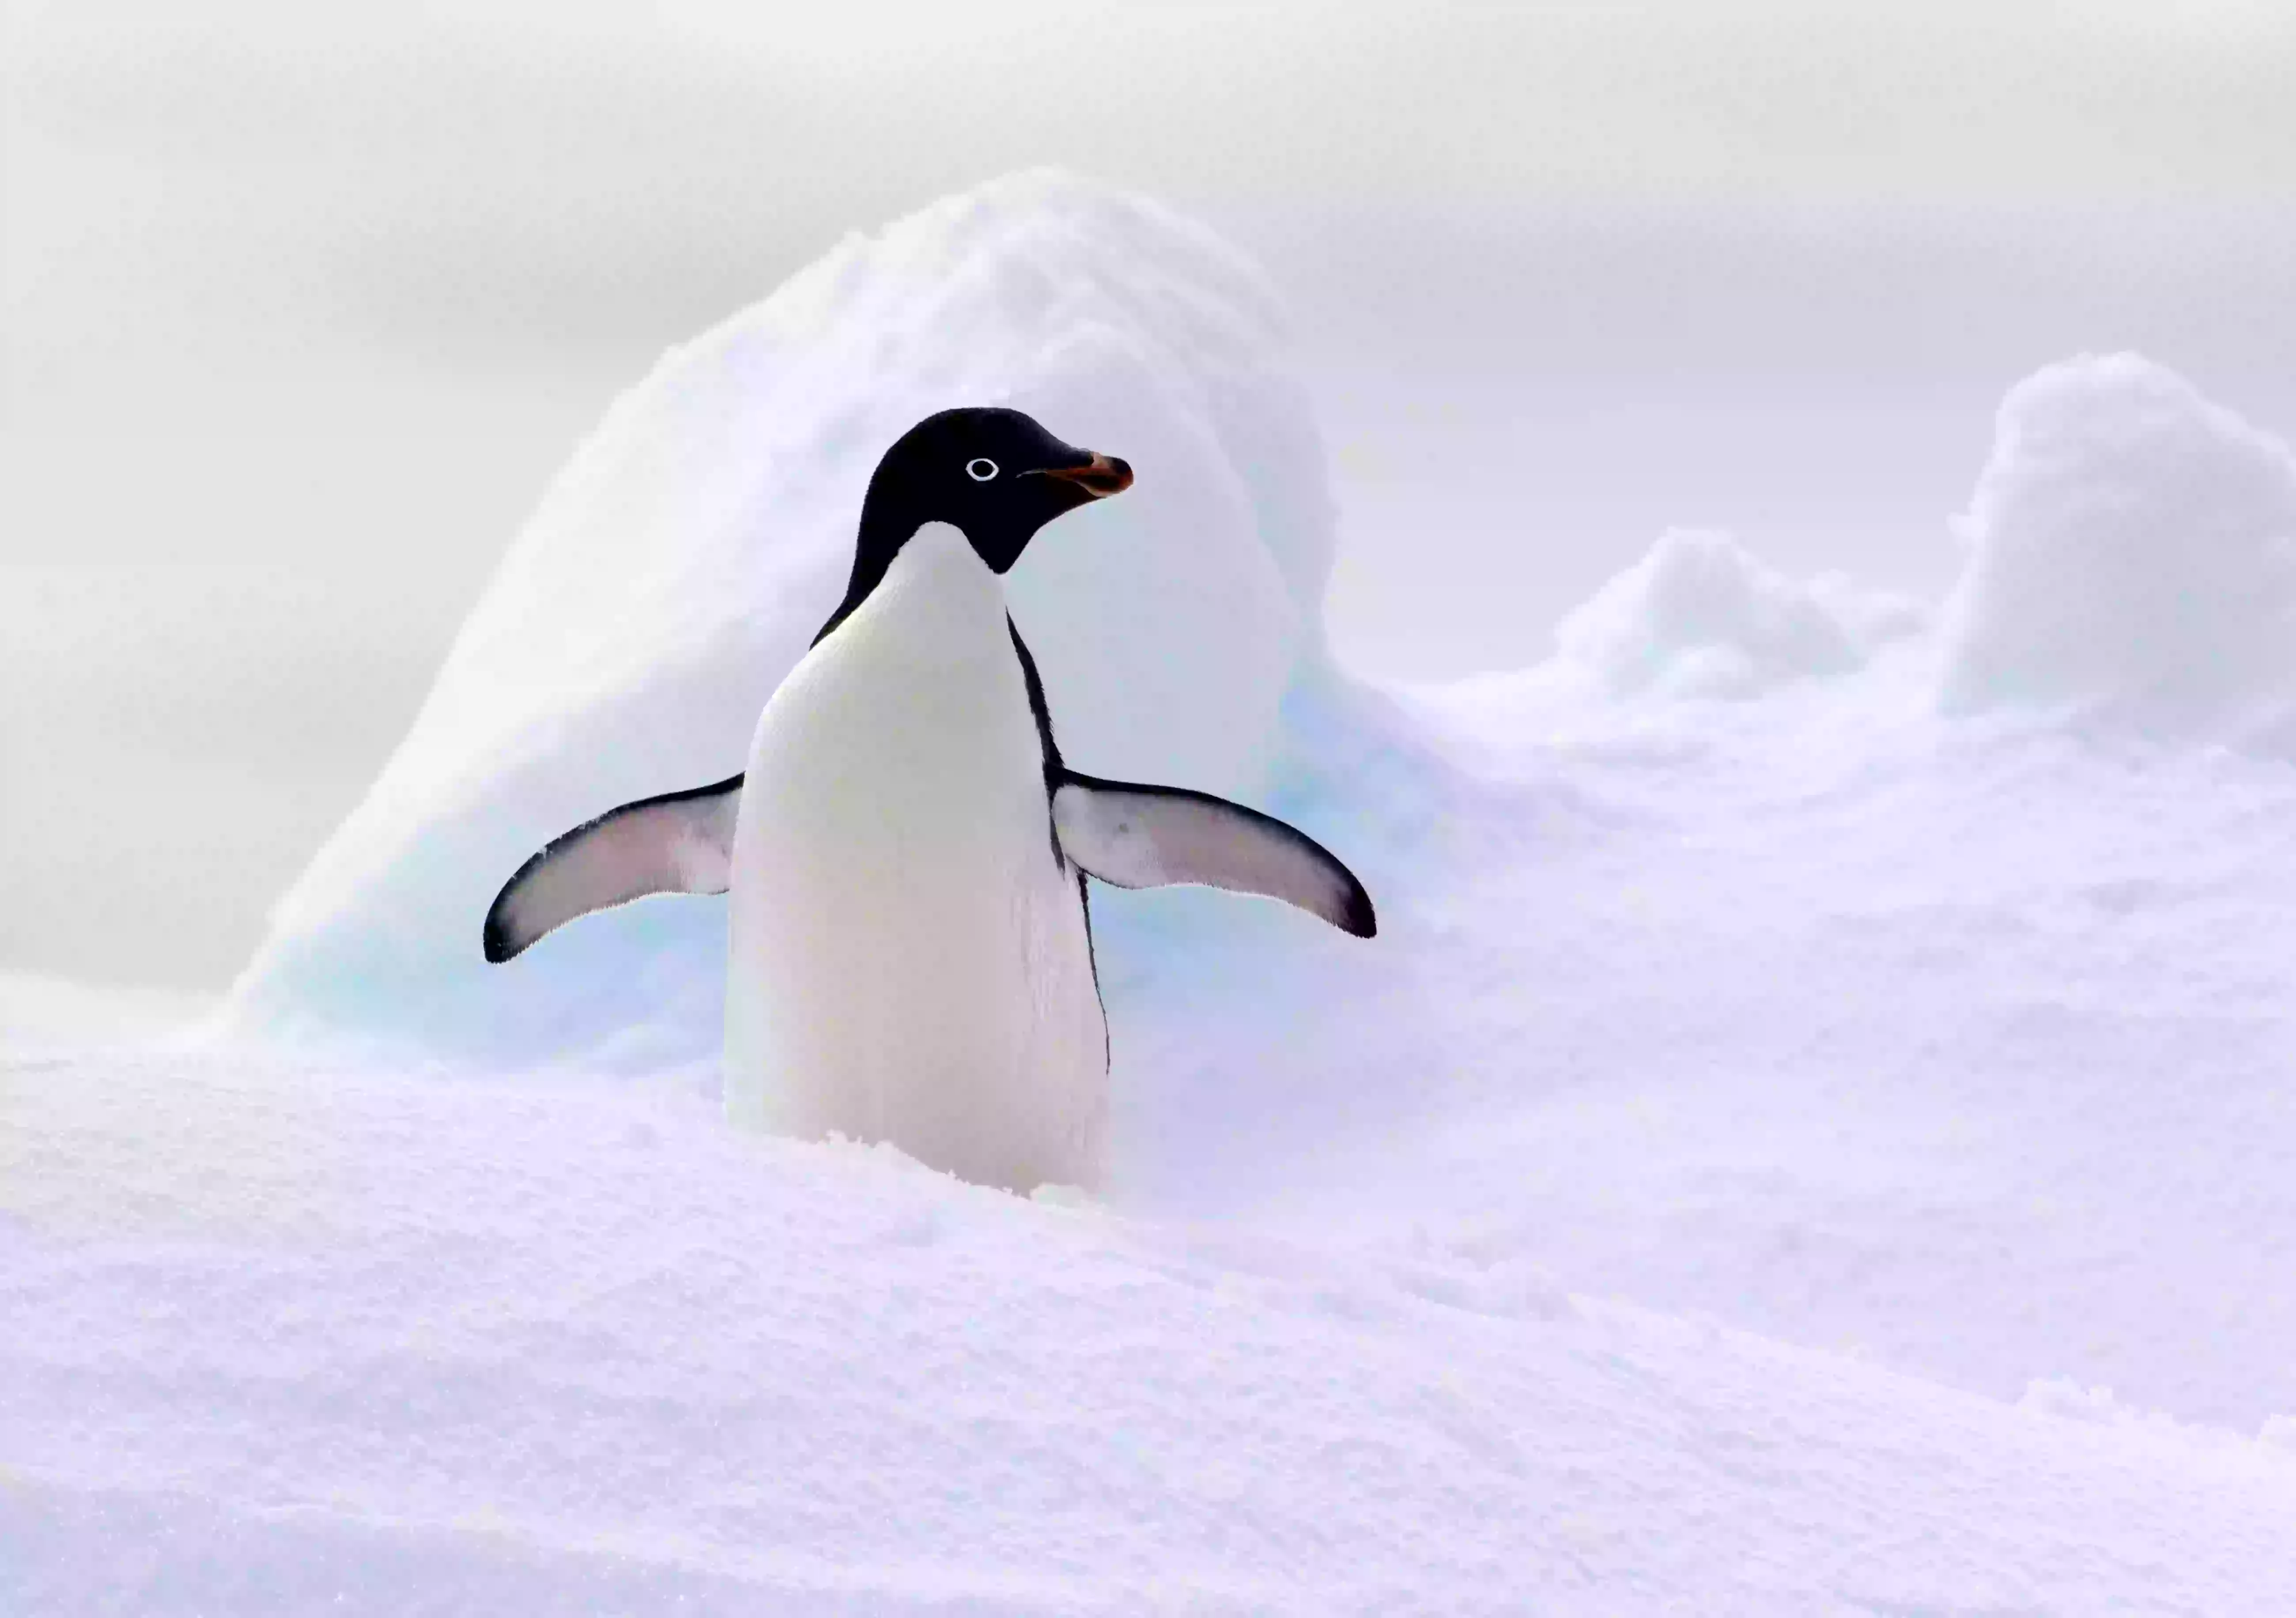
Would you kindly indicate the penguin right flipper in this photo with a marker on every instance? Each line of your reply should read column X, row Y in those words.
column 679, row 842
column 1135, row 836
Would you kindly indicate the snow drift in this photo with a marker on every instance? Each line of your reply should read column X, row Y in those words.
column 2133, row 546
column 1700, row 616
column 285, row 1342
column 680, row 563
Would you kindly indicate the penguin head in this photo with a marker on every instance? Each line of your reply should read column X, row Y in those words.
column 993, row 473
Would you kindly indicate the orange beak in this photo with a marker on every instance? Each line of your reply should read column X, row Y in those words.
column 1101, row 476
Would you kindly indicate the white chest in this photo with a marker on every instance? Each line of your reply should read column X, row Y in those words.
column 906, row 734
column 908, row 956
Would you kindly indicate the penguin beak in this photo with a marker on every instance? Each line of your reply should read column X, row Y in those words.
column 1098, row 477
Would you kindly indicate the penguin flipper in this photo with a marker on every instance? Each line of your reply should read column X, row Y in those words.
column 679, row 842
column 1135, row 836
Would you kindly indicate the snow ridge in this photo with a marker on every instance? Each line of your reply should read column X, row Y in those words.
column 580, row 1348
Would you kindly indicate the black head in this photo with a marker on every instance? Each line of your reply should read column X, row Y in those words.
column 994, row 473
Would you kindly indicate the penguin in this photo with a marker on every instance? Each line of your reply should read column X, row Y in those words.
column 909, row 947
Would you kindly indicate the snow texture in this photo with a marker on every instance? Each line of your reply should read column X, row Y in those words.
column 287, row 1341
column 2133, row 548
column 686, row 555
column 1699, row 616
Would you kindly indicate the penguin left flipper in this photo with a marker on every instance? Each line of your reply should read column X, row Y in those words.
column 679, row 842
column 1133, row 836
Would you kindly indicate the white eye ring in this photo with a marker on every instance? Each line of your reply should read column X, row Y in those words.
column 980, row 469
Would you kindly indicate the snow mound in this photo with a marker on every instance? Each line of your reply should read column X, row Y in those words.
column 682, row 561
column 285, row 1341
column 2132, row 545
column 1700, row 616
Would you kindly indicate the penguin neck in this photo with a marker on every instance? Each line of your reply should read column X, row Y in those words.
column 889, row 527
column 937, row 601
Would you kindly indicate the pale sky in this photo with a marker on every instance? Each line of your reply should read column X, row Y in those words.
column 303, row 304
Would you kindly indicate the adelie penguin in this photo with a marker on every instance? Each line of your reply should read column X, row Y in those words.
column 910, row 953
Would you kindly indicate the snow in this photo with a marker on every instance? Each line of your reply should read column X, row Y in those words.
column 290, row 1340
column 1702, row 616
column 1822, row 1151
column 2133, row 545
column 685, row 557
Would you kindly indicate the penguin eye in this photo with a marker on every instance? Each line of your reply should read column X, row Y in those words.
column 980, row 469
